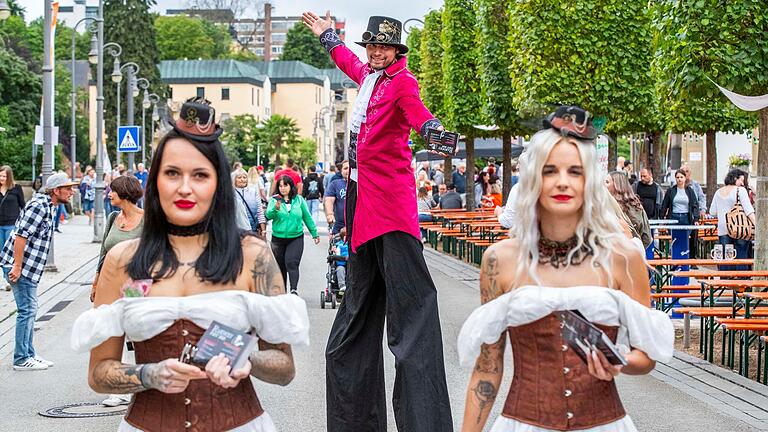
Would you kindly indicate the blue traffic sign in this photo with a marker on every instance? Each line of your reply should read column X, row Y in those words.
column 128, row 139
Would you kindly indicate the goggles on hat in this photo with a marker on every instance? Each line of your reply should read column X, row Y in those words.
column 573, row 121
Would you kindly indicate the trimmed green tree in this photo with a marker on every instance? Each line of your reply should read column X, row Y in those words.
column 462, row 93
column 121, row 19
column 301, row 44
column 695, row 41
column 591, row 53
column 413, row 41
column 279, row 134
column 496, row 79
column 181, row 37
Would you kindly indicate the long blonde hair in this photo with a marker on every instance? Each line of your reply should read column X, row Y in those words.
column 598, row 228
column 9, row 182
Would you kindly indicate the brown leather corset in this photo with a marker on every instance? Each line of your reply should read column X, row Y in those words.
column 203, row 406
column 551, row 386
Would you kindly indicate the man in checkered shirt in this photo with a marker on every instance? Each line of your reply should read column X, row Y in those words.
column 23, row 260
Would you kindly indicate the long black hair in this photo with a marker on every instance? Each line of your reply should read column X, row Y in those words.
column 222, row 258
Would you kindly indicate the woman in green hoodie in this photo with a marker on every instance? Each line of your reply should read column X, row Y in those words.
column 289, row 213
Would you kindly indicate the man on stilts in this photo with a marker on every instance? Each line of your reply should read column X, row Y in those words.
column 388, row 277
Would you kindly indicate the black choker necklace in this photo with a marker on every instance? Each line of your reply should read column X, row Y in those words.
column 556, row 253
column 188, row 231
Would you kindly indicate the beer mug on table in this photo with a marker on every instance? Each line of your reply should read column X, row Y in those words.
column 730, row 252
column 717, row 252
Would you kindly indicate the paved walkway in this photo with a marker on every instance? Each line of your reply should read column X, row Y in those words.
column 680, row 396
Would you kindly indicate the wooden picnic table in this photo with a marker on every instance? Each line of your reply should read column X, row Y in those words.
column 738, row 288
column 666, row 266
column 710, row 274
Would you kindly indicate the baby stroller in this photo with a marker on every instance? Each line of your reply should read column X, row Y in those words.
column 331, row 294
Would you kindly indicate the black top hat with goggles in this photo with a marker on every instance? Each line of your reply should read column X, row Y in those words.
column 384, row 31
column 572, row 121
column 197, row 121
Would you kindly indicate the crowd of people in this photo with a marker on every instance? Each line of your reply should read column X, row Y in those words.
column 186, row 246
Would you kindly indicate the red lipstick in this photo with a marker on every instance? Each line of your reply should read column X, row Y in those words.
column 184, row 204
column 562, row 197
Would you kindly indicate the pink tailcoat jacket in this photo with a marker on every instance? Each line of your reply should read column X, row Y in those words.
column 386, row 188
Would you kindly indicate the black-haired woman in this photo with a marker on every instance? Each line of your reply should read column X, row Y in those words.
column 289, row 213
column 189, row 268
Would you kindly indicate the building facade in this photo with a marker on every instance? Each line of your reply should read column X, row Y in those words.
column 318, row 100
column 264, row 36
column 72, row 11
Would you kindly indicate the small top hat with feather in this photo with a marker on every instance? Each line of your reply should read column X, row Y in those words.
column 197, row 121
column 384, row 31
column 573, row 121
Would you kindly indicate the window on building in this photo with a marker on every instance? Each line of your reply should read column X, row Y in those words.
column 224, row 117
column 278, row 37
column 91, row 11
column 260, row 52
column 260, row 39
column 277, row 50
column 170, row 92
column 201, row 92
column 279, row 25
column 252, row 97
column 66, row 9
column 339, row 116
column 225, row 93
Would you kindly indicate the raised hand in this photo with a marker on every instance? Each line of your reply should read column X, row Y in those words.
column 317, row 24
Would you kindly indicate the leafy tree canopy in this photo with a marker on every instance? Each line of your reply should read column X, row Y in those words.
column 301, row 44
column 182, row 37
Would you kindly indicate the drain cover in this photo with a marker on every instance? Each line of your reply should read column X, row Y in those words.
column 83, row 410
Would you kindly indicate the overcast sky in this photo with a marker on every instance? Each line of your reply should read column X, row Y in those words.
column 356, row 12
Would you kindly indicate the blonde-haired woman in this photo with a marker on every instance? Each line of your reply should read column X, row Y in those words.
column 568, row 253
column 618, row 185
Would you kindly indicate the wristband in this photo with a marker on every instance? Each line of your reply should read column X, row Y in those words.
column 141, row 377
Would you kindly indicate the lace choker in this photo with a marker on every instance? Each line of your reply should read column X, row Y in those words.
column 188, row 231
column 555, row 253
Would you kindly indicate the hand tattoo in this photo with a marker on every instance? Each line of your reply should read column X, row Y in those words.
column 266, row 275
column 485, row 392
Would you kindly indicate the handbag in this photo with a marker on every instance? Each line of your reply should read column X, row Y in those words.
column 739, row 225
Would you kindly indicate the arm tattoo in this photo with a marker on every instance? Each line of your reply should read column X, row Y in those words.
column 485, row 393
column 115, row 377
column 487, row 362
column 266, row 275
column 491, row 288
column 272, row 364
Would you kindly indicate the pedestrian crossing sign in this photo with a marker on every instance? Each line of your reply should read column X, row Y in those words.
column 128, row 139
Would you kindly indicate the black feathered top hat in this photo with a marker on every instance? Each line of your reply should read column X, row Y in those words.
column 384, row 31
column 573, row 121
column 197, row 121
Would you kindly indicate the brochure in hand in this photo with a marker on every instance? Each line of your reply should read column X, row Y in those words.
column 581, row 335
column 220, row 339
column 442, row 142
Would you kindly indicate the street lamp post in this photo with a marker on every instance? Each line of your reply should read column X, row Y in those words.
column 47, row 168
column 154, row 99
column 132, row 69
column 92, row 59
column 145, row 104
column 5, row 10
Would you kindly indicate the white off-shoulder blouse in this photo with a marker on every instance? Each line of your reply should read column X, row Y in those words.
column 276, row 319
column 640, row 327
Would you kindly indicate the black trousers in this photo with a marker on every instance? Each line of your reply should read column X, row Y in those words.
column 288, row 252
column 387, row 277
